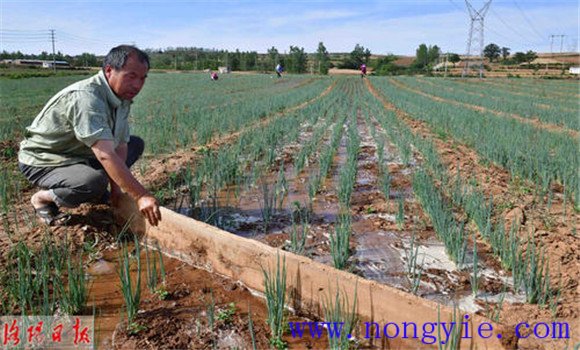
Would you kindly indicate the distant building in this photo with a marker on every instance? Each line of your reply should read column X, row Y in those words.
column 223, row 70
column 59, row 64
column 37, row 63
column 574, row 70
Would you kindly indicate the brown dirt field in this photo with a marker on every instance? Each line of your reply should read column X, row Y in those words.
column 336, row 71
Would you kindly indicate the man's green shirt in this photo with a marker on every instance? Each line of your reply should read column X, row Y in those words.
column 72, row 121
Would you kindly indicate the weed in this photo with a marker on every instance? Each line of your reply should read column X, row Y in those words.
column 226, row 315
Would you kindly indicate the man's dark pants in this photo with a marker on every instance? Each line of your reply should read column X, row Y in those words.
column 79, row 183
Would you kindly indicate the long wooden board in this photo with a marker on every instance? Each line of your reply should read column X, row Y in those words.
column 310, row 282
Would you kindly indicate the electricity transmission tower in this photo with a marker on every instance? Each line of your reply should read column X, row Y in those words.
column 475, row 39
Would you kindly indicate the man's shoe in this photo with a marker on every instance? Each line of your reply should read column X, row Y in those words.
column 50, row 215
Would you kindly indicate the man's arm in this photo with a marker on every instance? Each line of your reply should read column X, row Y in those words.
column 122, row 151
column 119, row 173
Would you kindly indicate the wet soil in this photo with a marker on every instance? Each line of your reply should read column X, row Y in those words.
column 181, row 319
column 551, row 226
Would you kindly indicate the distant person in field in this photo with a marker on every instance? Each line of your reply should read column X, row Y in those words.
column 79, row 143
column 279, row 70
column 214, row 76
column 363, row 70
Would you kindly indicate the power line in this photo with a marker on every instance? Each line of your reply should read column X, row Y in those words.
column 75, row 37
column 486, row 27
column 508, row 40
column 528, row 21
column 508, row 25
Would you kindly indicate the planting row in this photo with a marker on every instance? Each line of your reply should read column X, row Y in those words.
column 538, row 155
column 175, row 111
column 547, row 110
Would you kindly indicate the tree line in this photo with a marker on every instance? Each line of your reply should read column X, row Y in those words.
column 296, row 60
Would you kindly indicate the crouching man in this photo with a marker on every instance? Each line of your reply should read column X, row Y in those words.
column 79, row 143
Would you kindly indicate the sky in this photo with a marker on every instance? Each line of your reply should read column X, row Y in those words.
column 383, row 26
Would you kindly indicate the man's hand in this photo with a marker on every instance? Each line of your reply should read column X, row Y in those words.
column 122, row 177
column 149, row 207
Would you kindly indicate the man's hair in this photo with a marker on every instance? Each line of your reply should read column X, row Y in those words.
column 117, row 57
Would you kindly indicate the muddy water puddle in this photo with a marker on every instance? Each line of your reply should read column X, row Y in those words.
column 181, row 318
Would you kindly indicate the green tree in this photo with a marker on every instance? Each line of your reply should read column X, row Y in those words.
column 454, row 58
column 274, row 56
column 425, row 56
column 235, row 60
column 505, row 52
column 492, row 52
column 251, row 60
column 433, row 53
column 386, row 66
column 86, row 60
column 421, row 56
column 520, row 57
column 322, row 59
column 296, row 60
column 530, row 56
column 357, row 57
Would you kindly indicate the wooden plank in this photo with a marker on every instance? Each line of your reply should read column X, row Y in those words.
column 308, row 282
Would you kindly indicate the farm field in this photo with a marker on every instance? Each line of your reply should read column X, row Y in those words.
column 464, row 192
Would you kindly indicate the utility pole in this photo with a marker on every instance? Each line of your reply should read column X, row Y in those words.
column 475, row 39
column 552, row 45
column 53, row 51
column 552, row 42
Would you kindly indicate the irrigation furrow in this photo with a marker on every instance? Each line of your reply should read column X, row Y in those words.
column 374, row 223
column 534, row 122
column 430, row 270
